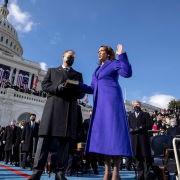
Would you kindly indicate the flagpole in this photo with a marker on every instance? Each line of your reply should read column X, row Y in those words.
column 125, row 93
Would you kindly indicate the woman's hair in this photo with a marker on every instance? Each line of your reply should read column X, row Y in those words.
column 110, row 53
column 22, row 122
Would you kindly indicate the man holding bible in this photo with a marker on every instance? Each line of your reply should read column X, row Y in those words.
column 60, row 115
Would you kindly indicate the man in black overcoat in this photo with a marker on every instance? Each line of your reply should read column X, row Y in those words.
column 86, row 125
column 29, row 131
column 59, row 117
column 139, row 123
column 12, row 136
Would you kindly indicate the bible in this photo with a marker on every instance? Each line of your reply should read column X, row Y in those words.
column 71, row 84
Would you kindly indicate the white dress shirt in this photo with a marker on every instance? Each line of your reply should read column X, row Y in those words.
column 68, row 68
column 32, row 124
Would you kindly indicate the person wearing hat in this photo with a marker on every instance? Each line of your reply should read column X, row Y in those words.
column 29, row 131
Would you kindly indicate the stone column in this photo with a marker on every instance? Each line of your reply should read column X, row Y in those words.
column 10, row 76
column 17, row 72
column 30, row 79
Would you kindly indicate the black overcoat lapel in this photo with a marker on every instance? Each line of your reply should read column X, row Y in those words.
column 71, row 72
column 61, row 70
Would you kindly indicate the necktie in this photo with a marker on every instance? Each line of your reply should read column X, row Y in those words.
column 136, row 115
column 32, row 126
column 66, row 70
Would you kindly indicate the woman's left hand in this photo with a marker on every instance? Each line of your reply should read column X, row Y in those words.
column 119, row 49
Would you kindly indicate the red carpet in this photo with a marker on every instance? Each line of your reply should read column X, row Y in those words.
column 15, row 171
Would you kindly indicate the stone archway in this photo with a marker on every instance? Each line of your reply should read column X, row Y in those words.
column 24, row 111
column 24, row 116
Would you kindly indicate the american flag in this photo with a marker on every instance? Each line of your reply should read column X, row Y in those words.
column 4, row 76
column 22, row 80
column 86, row 100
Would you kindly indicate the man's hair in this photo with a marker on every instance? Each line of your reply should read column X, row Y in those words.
column 67, row 52
column 13, row 120
column 137, row 101
column 32, row 115
column 173, row 119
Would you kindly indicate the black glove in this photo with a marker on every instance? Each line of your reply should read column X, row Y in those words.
column 136, row 131
column 131, row 130
column 61, row 88
column 140, row 130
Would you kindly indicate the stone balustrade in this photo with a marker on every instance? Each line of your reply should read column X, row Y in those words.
column 23, row 97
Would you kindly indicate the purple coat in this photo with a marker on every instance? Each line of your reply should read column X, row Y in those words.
column 109, row 130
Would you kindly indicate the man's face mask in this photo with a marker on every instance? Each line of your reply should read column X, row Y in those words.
column 70, row 60
column 33, row 119
column 13, row 123
column 173, row 124
column 137, row 109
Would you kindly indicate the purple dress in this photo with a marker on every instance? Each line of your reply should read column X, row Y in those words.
column 109, row 130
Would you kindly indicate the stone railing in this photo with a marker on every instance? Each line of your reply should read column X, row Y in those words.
column 31, row 62
column 2, row 91
column 19, row 96
column 29, row 97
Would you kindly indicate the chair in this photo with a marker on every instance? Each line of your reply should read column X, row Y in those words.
column 51, row 160
column 174, row 166
column 159, row 145
column 35, row 144
column 81, row 150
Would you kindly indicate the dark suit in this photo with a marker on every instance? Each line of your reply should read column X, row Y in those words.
column 12, row 137
column 173, row 131
column 59, row 118
column 86, row 124
column 28, row 133
column 140, row 142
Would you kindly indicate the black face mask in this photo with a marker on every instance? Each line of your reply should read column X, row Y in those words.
column 70, row 61
column 137, row 109
column 33, row 119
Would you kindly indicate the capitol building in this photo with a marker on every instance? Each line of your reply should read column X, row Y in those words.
column 14, row 104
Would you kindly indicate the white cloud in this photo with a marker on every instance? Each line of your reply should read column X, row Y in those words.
column 21, row 20
column 43, row 66
column 56, row 38
column 145, row 99
column 158, row 100
column 33, row 1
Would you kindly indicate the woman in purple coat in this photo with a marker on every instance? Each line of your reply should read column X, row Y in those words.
column 109, row 131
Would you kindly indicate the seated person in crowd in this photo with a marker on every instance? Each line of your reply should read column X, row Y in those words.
column 162, row 132
column 174, row 130
column 155, row 127
column 164, row 125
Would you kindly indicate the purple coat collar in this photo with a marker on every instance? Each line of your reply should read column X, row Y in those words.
column 102, row 67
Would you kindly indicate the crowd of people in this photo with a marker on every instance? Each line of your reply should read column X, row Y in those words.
column 14, row 134
column 21, row 88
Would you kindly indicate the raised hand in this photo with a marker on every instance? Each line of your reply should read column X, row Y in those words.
column 119, row 49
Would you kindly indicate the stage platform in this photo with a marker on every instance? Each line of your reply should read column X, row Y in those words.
column 9, row 172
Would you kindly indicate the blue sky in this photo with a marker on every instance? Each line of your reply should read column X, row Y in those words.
column 148, row 30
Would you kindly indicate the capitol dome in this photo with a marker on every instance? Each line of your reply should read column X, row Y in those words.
column 9, row 40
